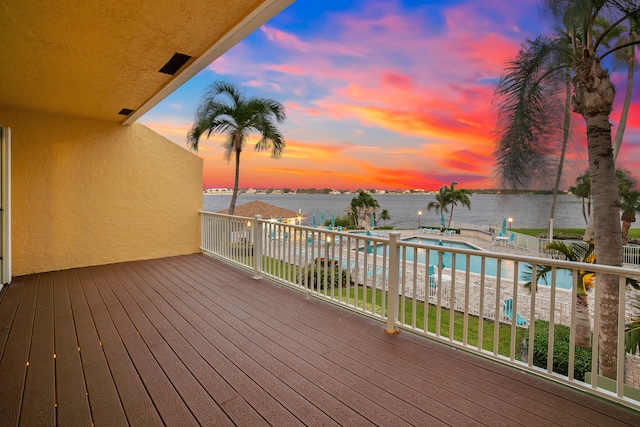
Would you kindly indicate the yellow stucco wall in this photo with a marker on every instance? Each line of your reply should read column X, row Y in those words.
column 89, row 192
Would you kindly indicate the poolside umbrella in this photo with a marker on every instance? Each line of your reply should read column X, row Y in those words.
column 504, row 225
column 442, row 244
column 314, row 220
column 372, row 219
column 321, row 218
column 442, row 219
column 333, row 220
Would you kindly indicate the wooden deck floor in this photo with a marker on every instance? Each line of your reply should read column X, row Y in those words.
column 191, row 341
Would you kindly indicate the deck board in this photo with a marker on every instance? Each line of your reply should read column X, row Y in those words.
column 134, row 398
column 39, row 398
column 164, row 395
column 11, row 297
column 106, row 407
column 13, row 369
column 71, row 392
column 350, row 386
column 158, row 332
column 190, row 340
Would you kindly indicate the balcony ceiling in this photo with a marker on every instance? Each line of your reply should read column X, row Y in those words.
column 93, row 59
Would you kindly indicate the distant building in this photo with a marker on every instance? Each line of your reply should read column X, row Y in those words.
column 218, row 191
column 266, row 211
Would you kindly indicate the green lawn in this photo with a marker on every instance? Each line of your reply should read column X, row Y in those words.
column 504, row 333
column 355, row 297
column 634, row 233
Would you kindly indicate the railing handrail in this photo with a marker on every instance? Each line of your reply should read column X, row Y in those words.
column 345, row 268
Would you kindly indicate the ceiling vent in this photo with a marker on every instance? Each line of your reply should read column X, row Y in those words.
column 175, row 63
column 125, row 111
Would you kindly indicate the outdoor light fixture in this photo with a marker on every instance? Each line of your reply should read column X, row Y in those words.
column 419, row 216
column 510, row 221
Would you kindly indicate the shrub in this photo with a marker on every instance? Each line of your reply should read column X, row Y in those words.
column 343, row 221
column 316, row 271
column 582, row 362
column 241, row 248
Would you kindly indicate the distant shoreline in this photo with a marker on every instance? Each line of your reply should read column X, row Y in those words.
column 229, row 192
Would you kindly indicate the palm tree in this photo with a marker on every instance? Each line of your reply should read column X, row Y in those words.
column 626, row 56
column 440, row 203
column 384, row 216
column 225, row 110
column 529, row 82
column 630, row 204
column 583, row 190
column 453, row 196
column 362, row 204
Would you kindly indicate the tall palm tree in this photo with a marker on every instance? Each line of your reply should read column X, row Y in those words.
column 454, row 195
column 440, row 203
column 628, row 57
column 523, row 91
column 224, row 109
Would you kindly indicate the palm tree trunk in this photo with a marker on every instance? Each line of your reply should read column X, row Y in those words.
column 565, row 138
column 588, row 235
column 583, row 322
column 608, row 240
column 617, row 142
column 236, row 183
column 593, row 99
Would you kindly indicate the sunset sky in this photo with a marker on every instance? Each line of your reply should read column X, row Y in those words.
column 384, row 94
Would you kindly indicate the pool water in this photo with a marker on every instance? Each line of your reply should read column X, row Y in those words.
column 440, row 242
column 507, row 267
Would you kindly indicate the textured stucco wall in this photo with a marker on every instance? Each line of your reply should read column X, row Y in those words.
column 88, row 192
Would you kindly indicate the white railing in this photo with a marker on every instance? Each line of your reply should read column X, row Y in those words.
column 630, row 255
column 463, row 296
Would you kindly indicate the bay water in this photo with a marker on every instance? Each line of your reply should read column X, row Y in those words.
column 527, row 211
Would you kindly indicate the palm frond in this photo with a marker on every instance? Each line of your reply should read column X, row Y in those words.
column 529, row 110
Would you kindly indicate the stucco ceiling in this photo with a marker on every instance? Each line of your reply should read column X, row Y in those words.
column 94, row 58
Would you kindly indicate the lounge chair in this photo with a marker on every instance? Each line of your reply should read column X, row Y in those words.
column 507, row 308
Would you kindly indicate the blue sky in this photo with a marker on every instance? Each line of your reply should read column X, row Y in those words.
column 379, row 94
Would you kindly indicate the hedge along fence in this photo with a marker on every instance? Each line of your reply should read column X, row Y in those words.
column 582, row 361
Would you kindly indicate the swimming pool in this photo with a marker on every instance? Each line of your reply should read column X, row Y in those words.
column 440, row 242
column 563, row 277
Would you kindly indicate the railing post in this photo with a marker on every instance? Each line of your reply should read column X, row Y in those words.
column 394, row 273
column 257, row 247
